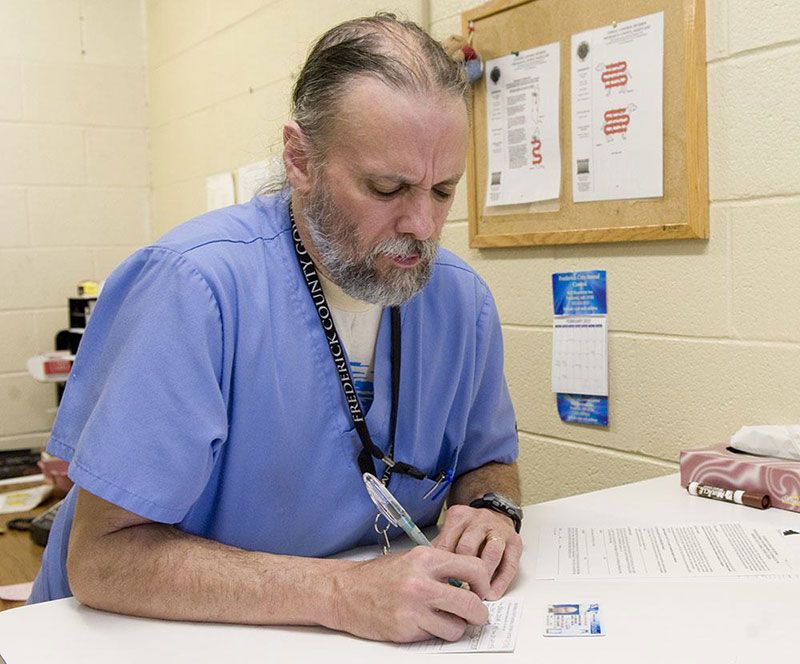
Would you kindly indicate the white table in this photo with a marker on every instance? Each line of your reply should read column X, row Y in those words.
column 647, row 621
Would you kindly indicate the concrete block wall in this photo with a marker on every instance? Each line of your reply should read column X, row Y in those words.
column 74, row 176
column 221, row 73
column 704, row 337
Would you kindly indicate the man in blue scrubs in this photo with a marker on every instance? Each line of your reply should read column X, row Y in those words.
column 216, row 433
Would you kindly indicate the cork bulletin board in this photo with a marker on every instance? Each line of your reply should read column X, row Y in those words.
column 504, row 26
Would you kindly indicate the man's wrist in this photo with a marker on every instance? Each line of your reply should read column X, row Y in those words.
column 501, row 504
column 323, row 589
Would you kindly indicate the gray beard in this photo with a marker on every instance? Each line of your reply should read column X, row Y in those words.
column 335, row 240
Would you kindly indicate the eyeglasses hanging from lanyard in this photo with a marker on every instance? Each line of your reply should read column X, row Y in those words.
column 369, row 450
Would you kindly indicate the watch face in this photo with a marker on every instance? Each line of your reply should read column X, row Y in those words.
column 501, row 500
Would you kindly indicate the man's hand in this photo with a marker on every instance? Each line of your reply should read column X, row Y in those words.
column 487, row 535
column 406, row 597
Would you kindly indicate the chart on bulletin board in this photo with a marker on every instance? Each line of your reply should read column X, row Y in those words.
column 589, row 122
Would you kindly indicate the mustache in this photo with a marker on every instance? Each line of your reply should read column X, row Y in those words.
column 405, row 246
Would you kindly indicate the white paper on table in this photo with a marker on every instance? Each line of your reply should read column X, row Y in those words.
column 24, row 500
column 617, row 111
column 220, row 191
column 500, row 635
column 672, row 551
column 522, row 124
column 580, row 355
column 17, row 592
column 249, row 179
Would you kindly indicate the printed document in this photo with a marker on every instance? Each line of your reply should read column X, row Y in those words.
column 500, row 635
column 680, row 551
column 522, row 107
column 617, row 111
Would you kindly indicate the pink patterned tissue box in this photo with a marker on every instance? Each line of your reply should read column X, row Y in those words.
column 722, row 467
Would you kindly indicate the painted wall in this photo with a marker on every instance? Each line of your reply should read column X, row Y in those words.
column 704, row 337
column 74, row 180
column 220, row 80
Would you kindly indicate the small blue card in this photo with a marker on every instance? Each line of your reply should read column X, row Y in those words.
column 573, row 620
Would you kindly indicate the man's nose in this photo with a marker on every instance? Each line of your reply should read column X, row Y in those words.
column 418, row 218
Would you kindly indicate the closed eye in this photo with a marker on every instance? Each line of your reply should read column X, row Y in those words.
column 382, row 193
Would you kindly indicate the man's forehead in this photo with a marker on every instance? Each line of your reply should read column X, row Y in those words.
column 389, row 133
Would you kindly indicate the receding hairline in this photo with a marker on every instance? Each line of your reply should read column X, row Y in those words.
column 343, row 121
column 399, row 54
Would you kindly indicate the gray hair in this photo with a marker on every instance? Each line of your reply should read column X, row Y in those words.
column 398, row 53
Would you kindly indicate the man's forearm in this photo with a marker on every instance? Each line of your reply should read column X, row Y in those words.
column 499, row 477
column 157, row 571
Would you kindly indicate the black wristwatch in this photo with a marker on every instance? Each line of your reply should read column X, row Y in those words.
column 502, row 504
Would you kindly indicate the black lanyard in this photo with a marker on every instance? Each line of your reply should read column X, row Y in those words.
column 370, row 449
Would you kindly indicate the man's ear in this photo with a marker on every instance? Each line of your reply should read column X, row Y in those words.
column 295, row 157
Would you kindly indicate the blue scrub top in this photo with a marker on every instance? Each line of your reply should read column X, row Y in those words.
column 204, row 395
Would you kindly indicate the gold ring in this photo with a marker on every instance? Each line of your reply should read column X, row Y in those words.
column 495, row 538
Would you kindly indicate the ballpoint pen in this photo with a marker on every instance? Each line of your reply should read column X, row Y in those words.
column 391, row 509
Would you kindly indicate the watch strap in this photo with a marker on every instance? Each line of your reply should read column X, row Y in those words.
column 493, row 502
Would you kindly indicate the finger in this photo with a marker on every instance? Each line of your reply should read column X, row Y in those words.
column 471, row 540
column 454, row 523
column 506, row 570
column 448, row 537
column 492, row 553
column 462, row 604
column 443, row 625
column 464, row 568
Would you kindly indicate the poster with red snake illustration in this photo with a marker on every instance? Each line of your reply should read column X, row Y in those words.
column 617, row 111
column 522, row 121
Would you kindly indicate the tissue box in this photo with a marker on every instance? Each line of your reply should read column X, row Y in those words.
column 724, row 467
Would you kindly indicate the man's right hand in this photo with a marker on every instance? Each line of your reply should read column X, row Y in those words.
column 406, row 597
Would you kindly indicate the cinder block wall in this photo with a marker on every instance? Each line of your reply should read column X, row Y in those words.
column 220, row 81
column 704, row 337
column 74, row 182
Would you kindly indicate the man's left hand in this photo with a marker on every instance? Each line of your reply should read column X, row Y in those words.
column 487, row 535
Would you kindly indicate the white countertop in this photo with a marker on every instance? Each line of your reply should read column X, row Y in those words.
column 714, row 620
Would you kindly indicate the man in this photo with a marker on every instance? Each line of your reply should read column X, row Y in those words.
column 215, row 440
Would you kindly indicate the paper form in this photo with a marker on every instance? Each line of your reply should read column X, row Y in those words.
column 219, row 191
column 617, row 111
column 522, row 122
column 500, row 635
column 678, row 551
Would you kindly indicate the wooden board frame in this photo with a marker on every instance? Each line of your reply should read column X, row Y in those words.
column 502, row 26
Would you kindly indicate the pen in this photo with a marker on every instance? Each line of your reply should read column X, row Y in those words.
column 760, row 501
column 412, row 530
column 396, row 514
column 418, row 537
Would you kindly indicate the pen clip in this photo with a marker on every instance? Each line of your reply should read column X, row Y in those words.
column 442, row 481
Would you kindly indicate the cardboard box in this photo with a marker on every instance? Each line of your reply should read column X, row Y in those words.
column 724, row 467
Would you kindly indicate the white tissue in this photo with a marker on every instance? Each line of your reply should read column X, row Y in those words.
column 774, row 441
